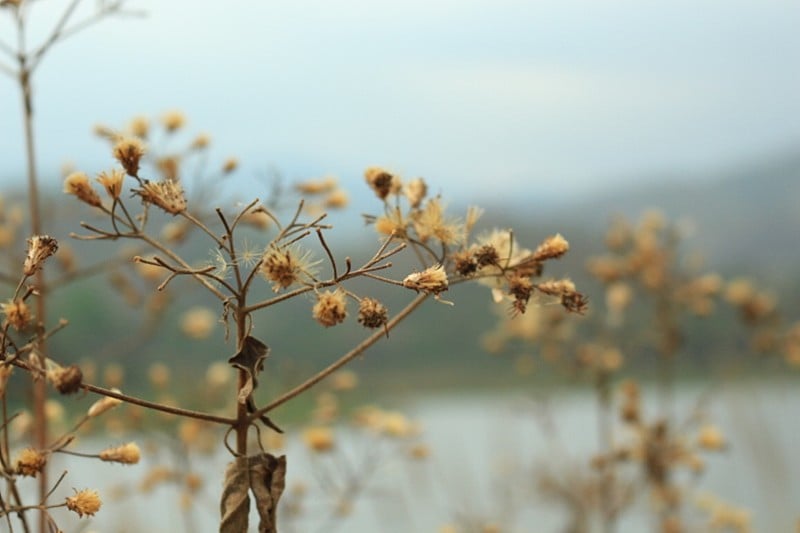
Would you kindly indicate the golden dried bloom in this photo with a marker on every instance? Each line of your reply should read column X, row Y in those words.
column 432, row 280
column 77, row 184
column 139, row 127
column 331, row 308
column 552, row 248
column 230, row 165
column 40, row 247
column 575, row 302
column 464, row 263
column 201, row 142
column 129, row 152
column 285, row 266
column 17, row 314
column 431, row 222
column 372, row 313
column 198, row 323
column 319, row 438
column 392, row 223
column 382, row 182
column 66, row 380
column 85, row 502
column 557, row 287
column 30, row 462
column 167, row 194
column 711, row 438
column 319, row 186
column 344, row 380
column 415, row 192
column 158, row 374
column 127, row 454
column 337, row 199
column 112, row 182
column 102, row 405
column 173, row 120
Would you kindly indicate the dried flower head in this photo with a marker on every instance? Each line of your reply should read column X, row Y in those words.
column 392, row 223
column 230, row 165
column 285, row 266
column 331, row 308
column 431, row 222
column 167, row 194
column 173, row 120
column 372, row 313
column 337, row 199
column 85, row 502
column 77, row 184
column 129, row 152
column 198, row 323
column 201, row 142
column 112, row 182
column 67, row 380
column 319, row 438
column 102, row 405
column 127, row 454
column 40, row 247
column 169, row 167
column 139, row 126
column 415, row 192
column 382, row 182
column 30, row 462
column 551, row 248
column 556, row 287
column 432, row 280
column 464, row 263
column 17, row 314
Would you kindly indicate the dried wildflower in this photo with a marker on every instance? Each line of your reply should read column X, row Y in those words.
column 102, row 405
column 173, row 120
column 556, row 287
column 430, row 222
column 77, row 184
column 331, row 308
column 169, row 167
column 415, row 192
column 167, row 194
column 30, row 462
column 575, row 302
column 230, row 165
column 85, row 502
column 432, row 280
column 66, row 380
column 551, row 248
column 337, row 199
column 285, row 266
column 112, row 182
column 127, row 454
column 200, row 142
column 40, row 247
column 392, row 223
column 319, row 186
column 129, row 152
column 372, row 313
column 464, row 263
column 520, row 288
column 139, row 127
column 319, row 438
column 17, row 314
column 486, row 255
column 198, row 323
column 382, row 182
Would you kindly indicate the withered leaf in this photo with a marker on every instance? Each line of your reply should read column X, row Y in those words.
column 263, row 475
column 250, row 358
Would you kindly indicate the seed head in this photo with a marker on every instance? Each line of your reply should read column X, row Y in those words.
column 173, row 120
column 30, row 462
column 432, row 280
column 17, row 314
column 382, row 182
column 85, row 502
column 392, row 223
column 78, row 185
column 337, row 199
column 230, row 165
column 285, row 266
column 40, row 247
column 112, row 182
column 372, row 313
column 575, row 302
column 129, row 152
column 556, row 287
column 66, row 380
column 127, row 454
column 552, row 248
column 167, row 194
column 415, row 192
column 465, row 263
column 102, row 405
column 201, row 142
column 139, row 127
column 331, row 308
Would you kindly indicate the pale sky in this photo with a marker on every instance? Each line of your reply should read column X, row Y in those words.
column 517, row 97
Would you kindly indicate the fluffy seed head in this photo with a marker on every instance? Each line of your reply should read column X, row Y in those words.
column 112, row 182
column 167, row 194
column 432, row 280
column 30, row 462
column 67, row 380
column 102, row 405
column 173, row 120
column 127, row 454
column 382, row 182
column 230, row 165
column 85, row 502
column 129, row 152
column 40, row 247
column 17, row 314
column 372, row 313
column 285, row 266
column 77, row 184
column 331, row 308
column 139, row 127
column 552, row 248
column 415, row 192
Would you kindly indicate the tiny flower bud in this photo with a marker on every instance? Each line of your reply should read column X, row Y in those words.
column 127, row 454
column 382, row 182
column 331, row 308
column 30, row 462
column 102, row 405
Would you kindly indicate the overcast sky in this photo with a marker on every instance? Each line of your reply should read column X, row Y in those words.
column 478, row 96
